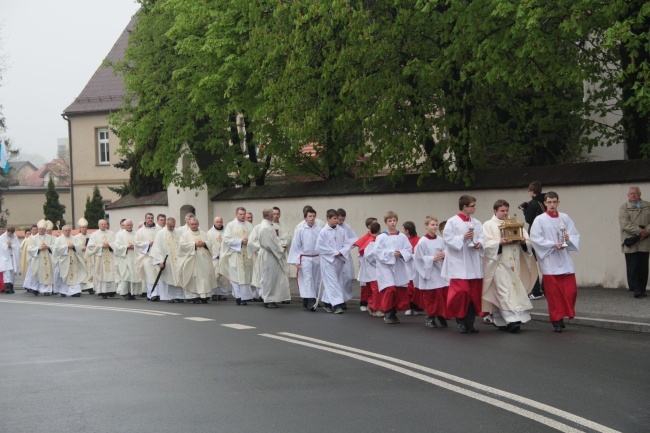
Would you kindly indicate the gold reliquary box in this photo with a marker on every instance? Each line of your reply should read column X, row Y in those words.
column 511, row 229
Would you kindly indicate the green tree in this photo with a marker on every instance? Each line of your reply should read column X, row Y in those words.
column 94, row 209
column 52, row 209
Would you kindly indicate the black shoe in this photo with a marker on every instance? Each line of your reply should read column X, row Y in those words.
column 285, row 302
column 180, row 301
column 222, row 298
column 35, row 292
column 345, row 307
column 91, row 291
column 155, row 298
column 640, row 295
column 104, row 296
column 430, row 322
column 443, row 322
column 196, row 301
column 461, row 327
column 513, row 327
column 472, row 330
column 562, row 324
column 270, row 305
column 62, row 295
column 112, row 294
column 143, row 295
column 76, row 295
column 171, row 301
column 204, row 300
column 255, row 300
column 305, row 302
column 557, row 326
column 126, row 297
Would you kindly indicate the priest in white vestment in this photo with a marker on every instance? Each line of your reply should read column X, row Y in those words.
column 127, row 275
column 215, row 234
column 39, row 250
column 89, row 261
column 182, row 229
column 165, row 257
column 68, row 257
column 9, row 258
column 268, row 271
column 25, row 260
column 144, row 239
column 285, row 240
column 252, row 247
column 99, row 246
column 196, row 272
column 509, row 273
column 235, row 264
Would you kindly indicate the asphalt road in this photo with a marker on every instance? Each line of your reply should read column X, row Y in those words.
column 137, row 366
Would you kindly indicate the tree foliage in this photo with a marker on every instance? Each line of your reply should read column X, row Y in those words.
column 242, row 88
column 94, row 209
column 52, row 209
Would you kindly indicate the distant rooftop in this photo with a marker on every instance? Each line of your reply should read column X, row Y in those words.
column 17, row 165
column 105, row 90
column 155, row 199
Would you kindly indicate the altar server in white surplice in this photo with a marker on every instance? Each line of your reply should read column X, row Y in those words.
column 9, row 258
column 99, row 246
column 128, row 277
column 196, row 272
column 334, row 255
column 304, row 256
column 165, row 256
column 350, row 238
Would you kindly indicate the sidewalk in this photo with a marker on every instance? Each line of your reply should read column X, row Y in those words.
column 596, row 307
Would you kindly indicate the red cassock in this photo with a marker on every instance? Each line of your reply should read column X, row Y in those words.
column 395, row 297
column 561, row 292
column 461, row 293
column 366, row 290
column 435, row 302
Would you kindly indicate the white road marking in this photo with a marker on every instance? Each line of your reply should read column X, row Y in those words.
column 237, row 326
column 591, row 319
column 351, row 352
column 94, row 307
column 199, row 319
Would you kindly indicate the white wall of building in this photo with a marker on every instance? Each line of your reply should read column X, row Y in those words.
column 594, row 209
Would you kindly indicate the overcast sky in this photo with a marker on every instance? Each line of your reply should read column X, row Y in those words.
column 50, row 49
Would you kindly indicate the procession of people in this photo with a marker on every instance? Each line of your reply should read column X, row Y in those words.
column 460, row 269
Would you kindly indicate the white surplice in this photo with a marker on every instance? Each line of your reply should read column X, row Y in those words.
column 331, row 243
column 127, row 275
column 269, row 272
column 392, row 270
column 196, row 272
column 41, row 266
column 428, row 272
column 544, row 234
column 462, row 262
column 216, row 237
column 104, row 263
column 70, row 263
column 303, row 252
column 165, row 250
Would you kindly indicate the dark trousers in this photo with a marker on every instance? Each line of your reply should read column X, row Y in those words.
column 637, row 271
column 537, row 288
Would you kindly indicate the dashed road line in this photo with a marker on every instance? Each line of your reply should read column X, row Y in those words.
column 199, row 319
column 237, row 326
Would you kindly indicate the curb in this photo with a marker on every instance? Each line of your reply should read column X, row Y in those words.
column 615, row 325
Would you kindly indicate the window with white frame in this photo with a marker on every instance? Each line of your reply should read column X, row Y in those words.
column 103, row 152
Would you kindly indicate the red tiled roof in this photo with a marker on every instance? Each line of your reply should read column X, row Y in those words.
column 57, row 167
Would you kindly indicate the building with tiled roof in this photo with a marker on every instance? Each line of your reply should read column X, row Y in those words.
column 92, row 143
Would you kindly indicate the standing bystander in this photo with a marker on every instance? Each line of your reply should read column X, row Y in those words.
column 634, row 218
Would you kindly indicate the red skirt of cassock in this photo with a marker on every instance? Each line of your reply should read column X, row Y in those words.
column 395, row 298
column 366, row 293
column 461, row 294
column 415, row 296
column 376, row 297
column 2, row 283
column 561, row 292
column 435, row 301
